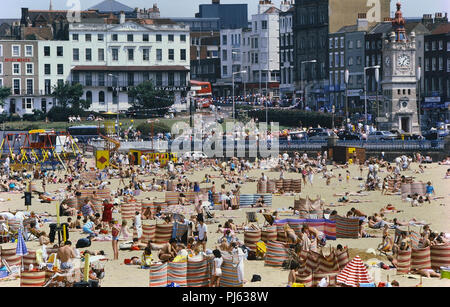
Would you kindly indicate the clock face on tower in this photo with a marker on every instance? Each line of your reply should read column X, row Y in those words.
column 403, row 61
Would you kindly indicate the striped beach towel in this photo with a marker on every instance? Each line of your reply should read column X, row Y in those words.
column 276, row 254
column 440, row 256
column 421, row 258
column 197, row 273
column 347, row 228
column 158, row 275
column 229, row 274
column 177, row 273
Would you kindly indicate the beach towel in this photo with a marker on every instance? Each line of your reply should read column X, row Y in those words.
column 276, row 254
column 251, row 237
column 230, row 276
column 197, row 273
column 440, row 256
column 177, row 273
column 347, row 228
column 158, row 275
column 421, row 258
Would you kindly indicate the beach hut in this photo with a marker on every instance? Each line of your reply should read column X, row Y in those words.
column 354, row 274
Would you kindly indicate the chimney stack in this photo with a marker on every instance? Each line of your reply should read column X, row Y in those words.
column 362, row 23
column 122, row 17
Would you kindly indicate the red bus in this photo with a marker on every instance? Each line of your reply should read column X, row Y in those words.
column 203, row 92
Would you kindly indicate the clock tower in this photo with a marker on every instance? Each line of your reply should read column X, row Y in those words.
column 399, row 79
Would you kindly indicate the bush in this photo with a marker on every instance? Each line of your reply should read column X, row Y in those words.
column 61, row 114
column 293, row 118
column 146, row 128
column 14, row 118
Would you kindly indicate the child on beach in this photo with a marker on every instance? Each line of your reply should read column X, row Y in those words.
column 115, row 231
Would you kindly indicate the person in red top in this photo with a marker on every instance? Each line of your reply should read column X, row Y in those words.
column 107, row 213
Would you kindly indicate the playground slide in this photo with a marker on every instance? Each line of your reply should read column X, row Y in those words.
column 115, row 142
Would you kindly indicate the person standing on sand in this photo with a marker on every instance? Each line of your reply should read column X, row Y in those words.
column 115, row 231
column 65, row 254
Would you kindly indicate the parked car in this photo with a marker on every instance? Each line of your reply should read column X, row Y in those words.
column 298, row 135
column 194, row 155
column 402, row 135
column 381, row 136
column 321, row 136
column 348, row 135
column 315, row 131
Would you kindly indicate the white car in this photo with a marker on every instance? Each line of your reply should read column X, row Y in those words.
column 381, row 135
column 194, row 155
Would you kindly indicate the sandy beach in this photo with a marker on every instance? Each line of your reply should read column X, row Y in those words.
column 437, row 214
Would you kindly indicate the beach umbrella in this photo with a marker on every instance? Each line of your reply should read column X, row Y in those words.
column 354, row 273
column 21, row 249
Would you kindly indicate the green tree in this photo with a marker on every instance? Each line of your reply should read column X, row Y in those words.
column 145, row 96
column 68, row 95
column 5, row 92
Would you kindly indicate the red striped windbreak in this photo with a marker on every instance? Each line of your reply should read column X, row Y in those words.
column 354, row 273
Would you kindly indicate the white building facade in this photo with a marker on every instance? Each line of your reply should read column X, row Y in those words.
column 108, row 59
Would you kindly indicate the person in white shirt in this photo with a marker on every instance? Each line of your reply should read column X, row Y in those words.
column 202, row 233
column 138, row 224
column 217, row 272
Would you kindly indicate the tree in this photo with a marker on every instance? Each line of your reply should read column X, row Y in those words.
column 145, row 96
column 68, row 95
column 5, row 92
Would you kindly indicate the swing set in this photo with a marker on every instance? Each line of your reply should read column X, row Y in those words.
column 38, row 147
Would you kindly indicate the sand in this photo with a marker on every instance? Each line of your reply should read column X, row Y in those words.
column 437, row 213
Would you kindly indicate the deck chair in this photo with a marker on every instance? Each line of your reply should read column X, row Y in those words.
column 269, row 219
column 261, row 250
column 251, row 217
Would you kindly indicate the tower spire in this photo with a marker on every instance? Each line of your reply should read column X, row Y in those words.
column 51, row 6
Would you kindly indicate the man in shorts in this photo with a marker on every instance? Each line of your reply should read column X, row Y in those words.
column 65, row 255
column 202, row 233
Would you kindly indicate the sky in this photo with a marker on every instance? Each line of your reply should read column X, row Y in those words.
column 187, row 8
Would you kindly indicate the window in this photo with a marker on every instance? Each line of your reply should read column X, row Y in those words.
column 448, row 66
column 115, row 97
column 224, row 55
column 76, row 54
column 448, row 48
column 158, row 37
column 29, row 86
column 88, row 54
column 427, row 64
column 183, row 54
column 46, row 50
column 48, row 86
column 367, row 45
column 114, row 37
column 60, row 69
column 130, row 37
column 29, row 68
column 264, row 24
column 336, row 59
column 101, row 79
column 331, row 43
column 441, row 63
column 336, row 42
column 182, row 79
column 171, row 79
column 342, row 59
column 130, row 79
column 88, row 79
column 182, row 38
column 433, row 64
column 358, row 60
column 47, row 69
column 28, row 50
column 171, row 54
column 115, row 54
column 88, row 37
column 74, row 37
column 350, row 61
column 331, row 59
column 130, row 54
column 1, row 50
column 15, row 50
column 171, row 37
column 100, row 37
column 159, row 55
column 342, row 42
column 225, row 70
column 358, row 44
column 433, row 45
column 146, row 54
column 350, row 44
column 224, row 40
column 16, row 68
column 145, row 38
column 16, row 86
column 27, row 103
column 89, row 96
column 101, row 97
column 159, row 79
column 101, row 54
column 1, row 69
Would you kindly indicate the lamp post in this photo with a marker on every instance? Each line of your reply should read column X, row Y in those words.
column 117, row 123
column 232, row 81
column 377, row 79
column 301, row 80
column 418, row 77
column 377, row 67
column 347, row 76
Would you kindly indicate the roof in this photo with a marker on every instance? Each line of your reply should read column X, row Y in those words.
column 442, row 29
column 44, row 33
column 129, row 68
column 272, row 10
column 111, row 6
column 381, row 27
column 9, row 21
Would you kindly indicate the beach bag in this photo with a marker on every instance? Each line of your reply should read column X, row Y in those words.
column 251, row 255
column 255, row 278
column 83, row 242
